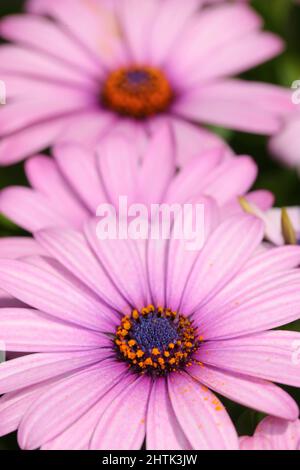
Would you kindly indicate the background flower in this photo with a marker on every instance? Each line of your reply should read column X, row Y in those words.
column 86, row 77
column 273, row 434
column 67, row 189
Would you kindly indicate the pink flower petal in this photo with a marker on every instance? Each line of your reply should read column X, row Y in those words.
column 78, row 167
column 45, row 177
column 123, row 263
column 158, row 167
column 235, row 104
column 156, row 258
column 271, row 355
column 201, row 415
column 273, row 434
column 239, row 56
column 44, row 290
column 137, row 32
column 283, row 435
column 188, row 182
column 49, row 106
column 72, row 251
column 26, row 142
column 117, row 160
column 163, row 429
column 14, row 405
column 25, row 330
column 34, row 368
column 95, row 29
column 248, row 391
column 255, row 443
column 29, row 62
column 30, row 209
column 35, row 31
column 113, row 430
column 183, row 253
column 261, row 199
column 225, row 252
column 66, row 401
column 285, row 144
column 18, row 247
column 260, row 267
column 87, row 128
column 231, row 179
column 266, row 303
column 201, row 40
column 191, row 140
column 78, row 436
column 164, row 32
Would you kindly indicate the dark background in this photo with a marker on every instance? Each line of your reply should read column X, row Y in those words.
column 282, row 17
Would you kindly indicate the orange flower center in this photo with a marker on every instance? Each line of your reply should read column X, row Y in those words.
column 156, row 341
column 137, row 92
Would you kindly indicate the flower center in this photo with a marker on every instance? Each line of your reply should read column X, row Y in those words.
column 137, row 92
column 156, row 341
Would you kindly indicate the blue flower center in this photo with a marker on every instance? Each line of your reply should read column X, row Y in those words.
column 154, row 332
column 156, row 341
column 137, row 77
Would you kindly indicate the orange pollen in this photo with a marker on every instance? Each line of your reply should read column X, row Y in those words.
column 156, row 341
column 138, row 92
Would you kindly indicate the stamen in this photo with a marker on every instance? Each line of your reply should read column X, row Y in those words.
column 157, row 341
column 137, row 92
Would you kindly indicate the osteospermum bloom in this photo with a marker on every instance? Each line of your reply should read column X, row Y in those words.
column 77, row 69
column 273, row 434
column 67, row 189
column 127, row 344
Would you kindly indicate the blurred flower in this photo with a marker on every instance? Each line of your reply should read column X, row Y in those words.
column 273, row 434
column 79, row 68
column 103, row 355
column 282, row 226
column 68, row 189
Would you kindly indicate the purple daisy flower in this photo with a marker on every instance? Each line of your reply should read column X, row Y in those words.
column 126, row 340
column 80, row 69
